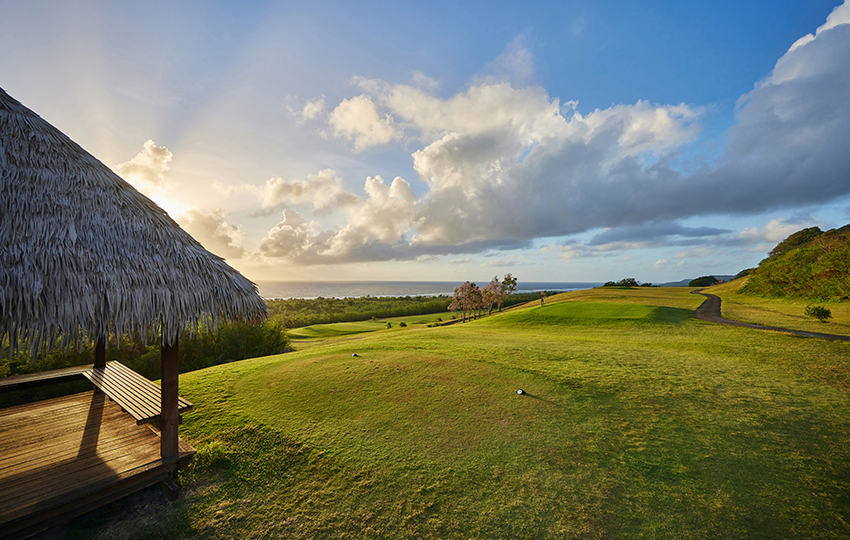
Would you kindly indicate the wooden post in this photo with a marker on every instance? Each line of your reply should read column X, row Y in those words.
column 99, row 358
column 169, row 418
column 100, row 352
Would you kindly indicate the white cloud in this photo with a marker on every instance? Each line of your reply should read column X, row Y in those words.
column 322, row 191
column 840, row 15
column 374, row 226
column 212, row 230
column 313, row 109
column 774, row 232
column 388, row 212
column 505, row 164
column 289, row 238
column 358, row 120
column 147, row 170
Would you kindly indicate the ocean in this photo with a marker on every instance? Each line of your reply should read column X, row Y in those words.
column 354, row 289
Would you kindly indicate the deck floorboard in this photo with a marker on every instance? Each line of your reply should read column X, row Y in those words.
column 63, row 456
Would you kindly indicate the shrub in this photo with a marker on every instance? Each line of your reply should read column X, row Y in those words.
column 389, row 324
column 704, row 281
column 818, row 312
column 626, row 282
column 402, row 324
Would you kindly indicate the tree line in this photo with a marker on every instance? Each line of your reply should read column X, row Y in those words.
column 300, row 312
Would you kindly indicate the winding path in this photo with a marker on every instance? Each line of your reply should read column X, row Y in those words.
column 709, row 311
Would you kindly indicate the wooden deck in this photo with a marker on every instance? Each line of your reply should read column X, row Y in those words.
column 62, row 457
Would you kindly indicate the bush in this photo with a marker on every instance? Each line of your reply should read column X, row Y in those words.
column 818, row 312
column 704, row 281
column 626, row 282
column 402, row 324
column 389, row 324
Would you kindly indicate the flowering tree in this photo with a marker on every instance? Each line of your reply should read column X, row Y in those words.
column 506, row 288
column 490, row 294
column 466, row 299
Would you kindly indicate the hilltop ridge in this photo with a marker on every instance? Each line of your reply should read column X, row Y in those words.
column 808, row 264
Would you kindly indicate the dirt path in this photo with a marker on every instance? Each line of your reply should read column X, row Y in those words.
column 710, row 311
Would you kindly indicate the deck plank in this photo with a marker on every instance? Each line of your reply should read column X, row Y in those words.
column 61, row 456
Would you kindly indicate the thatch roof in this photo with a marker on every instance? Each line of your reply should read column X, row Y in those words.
column 83, row 254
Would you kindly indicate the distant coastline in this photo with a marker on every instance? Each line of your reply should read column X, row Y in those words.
column 355, row 289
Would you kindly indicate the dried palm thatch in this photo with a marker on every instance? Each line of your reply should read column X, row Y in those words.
column 83, row 254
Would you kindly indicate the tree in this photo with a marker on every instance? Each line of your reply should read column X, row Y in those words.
column 704, row 281
column 506, row 288
column 489, row 294
column 625, row 282
column 466, row 299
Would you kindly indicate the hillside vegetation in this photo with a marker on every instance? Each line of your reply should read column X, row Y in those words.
column 808, row 264
column 638, row 421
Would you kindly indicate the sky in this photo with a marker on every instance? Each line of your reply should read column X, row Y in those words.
column 445, row 141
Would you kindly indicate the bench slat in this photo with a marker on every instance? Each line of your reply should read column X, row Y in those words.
column 138, row 396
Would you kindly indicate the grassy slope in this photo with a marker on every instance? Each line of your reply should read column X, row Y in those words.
column 782, row 312
column 640, row 422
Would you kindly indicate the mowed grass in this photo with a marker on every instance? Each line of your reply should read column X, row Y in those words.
column 638, row 422
column 784, row 312
column 325, row 331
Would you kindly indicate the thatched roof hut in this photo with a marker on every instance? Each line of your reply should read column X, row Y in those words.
column 83, row 254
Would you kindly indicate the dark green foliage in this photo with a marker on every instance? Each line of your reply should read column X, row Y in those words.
column 298, row 312
column 626, row 282
column 818, row 312
column 402, row 324
column 230, row 343
column 819, row 268
column 743, row 273
column 704, row 281
column 389, row 324
column 798, row 239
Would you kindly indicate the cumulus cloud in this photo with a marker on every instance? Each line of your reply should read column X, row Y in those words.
column 290, row 238
column 147, row 170
column 358, row 120
column 774, row 232
column 322, row 191
column 375, row 231
column 212, row 230
column 505, row 163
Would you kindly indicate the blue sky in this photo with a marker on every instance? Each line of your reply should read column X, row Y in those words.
column 562, row 141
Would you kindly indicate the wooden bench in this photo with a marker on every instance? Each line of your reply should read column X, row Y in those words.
column 135, row 394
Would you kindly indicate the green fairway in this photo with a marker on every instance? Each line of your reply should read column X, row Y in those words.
column 324, row 331
column 638, row 421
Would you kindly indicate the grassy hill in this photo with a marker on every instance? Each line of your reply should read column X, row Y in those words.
column 808, row 264
column 638, row 422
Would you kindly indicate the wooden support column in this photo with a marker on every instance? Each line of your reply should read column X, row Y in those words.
column 99, row 358
column 100, row 352
column 169, row 417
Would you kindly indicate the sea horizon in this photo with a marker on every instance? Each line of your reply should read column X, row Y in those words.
column 275, row 290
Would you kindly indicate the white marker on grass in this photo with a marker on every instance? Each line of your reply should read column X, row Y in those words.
column 520, row 391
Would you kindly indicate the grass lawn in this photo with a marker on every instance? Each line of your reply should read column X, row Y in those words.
column 325, row 331
column 784, row 312
column 638, row 422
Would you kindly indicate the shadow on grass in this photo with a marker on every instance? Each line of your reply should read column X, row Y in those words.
column 538, row 398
